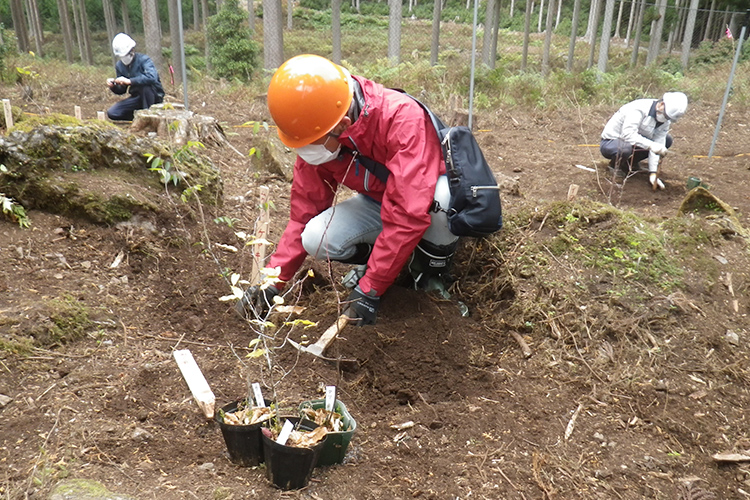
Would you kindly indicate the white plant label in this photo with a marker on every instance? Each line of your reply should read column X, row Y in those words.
column 330, row 397
column 259, row 401
column 286, row 430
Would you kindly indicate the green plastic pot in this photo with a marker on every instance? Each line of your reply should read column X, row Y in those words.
column 334, row 449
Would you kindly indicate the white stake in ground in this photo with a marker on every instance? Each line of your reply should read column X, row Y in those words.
column 196, row 381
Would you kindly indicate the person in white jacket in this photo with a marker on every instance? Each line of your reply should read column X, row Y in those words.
column 640, row 129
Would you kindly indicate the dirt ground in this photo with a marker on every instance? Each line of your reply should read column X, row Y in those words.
column 585, row 416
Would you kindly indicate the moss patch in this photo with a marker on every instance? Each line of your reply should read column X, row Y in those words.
column 95, row 171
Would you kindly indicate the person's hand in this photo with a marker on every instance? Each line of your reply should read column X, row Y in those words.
column 256, row 299
column 121, row 80
column 659, row 149
column 655, row 182
column 362, row 307
column 110, row 82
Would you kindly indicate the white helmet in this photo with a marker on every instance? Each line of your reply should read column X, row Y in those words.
column 675, row 105
column 122, row 44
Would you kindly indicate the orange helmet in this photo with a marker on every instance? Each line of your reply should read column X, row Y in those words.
column 307, row 97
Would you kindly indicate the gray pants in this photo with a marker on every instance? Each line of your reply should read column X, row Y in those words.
column 340, row 232
column 625, row 155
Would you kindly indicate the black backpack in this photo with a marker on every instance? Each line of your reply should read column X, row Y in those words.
column 475, row 208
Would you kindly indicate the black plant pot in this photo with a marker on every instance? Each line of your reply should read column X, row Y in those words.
column 244, row 442
column 289, row 467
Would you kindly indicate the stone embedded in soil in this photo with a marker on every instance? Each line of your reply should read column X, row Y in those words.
column 84, row 489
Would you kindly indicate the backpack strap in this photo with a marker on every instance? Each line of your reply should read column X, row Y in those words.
column 376, row 168
column 379, row 170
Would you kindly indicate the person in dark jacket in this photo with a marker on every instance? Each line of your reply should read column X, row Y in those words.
column 334, row 121
column 137, row 75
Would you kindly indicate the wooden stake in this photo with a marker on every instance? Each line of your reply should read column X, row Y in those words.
column 77, row 112
column 8, row 114
column 261, row 233
column 572, row 192
column 100, row 115
column 196, row 381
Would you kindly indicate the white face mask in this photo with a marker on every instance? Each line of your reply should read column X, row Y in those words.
column 661, row 117
column 127, row 59
column 317, row 154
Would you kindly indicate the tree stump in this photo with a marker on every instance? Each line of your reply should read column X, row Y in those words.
column 173, row 122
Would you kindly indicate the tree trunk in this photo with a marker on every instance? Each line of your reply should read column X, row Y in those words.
column 655, row 44
column 435, row 44
column 207, row 48
column 682, row 23
column 638, row 29
column 289, row 10
column 711, row 11
column 547, row 38
column 675, row 29
column 336, row 30
column 609, row 12
column 125, row 17
column 151, row 31
column 251, row 16
column 394, row 31
column 631, row 18
column 35, row 26
column 724, row 25
column 619, row 19
column 687, row 40
column 174, row 40
column 512, row 8
column 77, row 25
column 86, row 31
column 541, row 11
column 67, row 34
column 526, row 29
column 573, row 35
column 495, row 30
column 19, row 25
column 489, row 21
column 197, row 15
column 592, row 27
column 273, row 34
column 595, row 30
column 110, row 22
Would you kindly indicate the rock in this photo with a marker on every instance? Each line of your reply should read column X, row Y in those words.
column 140, row 434
column 5, row 400
column 732, row 337
column 84, row 489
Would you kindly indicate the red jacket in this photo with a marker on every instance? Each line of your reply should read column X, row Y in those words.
column 394, row 130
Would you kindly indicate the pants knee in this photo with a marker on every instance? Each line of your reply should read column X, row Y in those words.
column 313, row 239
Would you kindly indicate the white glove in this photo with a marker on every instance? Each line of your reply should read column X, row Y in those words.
column 655, row 181
column 658, row 149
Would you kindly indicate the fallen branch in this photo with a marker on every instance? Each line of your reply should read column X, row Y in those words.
column 522, row 344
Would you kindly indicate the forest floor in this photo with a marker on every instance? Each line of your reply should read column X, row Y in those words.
column 631, row 388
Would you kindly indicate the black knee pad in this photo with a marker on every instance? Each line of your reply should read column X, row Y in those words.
column 430, row 261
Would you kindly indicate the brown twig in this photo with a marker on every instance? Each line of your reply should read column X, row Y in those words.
column 522, row 343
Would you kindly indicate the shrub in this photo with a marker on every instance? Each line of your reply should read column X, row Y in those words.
column 232, row 52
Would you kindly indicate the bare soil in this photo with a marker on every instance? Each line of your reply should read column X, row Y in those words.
column 654, row 383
